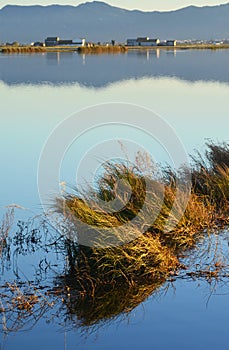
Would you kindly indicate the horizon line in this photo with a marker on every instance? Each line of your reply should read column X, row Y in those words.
column 104, row 2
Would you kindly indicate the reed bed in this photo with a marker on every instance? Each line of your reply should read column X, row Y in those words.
column 22, row 49
column 145, row 262
column 101, row 49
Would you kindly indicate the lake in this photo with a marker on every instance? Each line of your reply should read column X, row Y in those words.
column 188, row 90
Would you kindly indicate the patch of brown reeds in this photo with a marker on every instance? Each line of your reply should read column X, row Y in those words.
column 101, row 49
column 22, row 49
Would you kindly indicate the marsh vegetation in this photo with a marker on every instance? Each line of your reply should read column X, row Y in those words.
column 98, row 284
column 148, row 256
column 22, row 49
column 101, row 49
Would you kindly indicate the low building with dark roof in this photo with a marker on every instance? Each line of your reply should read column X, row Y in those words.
column 56, row 41
column 52, row 41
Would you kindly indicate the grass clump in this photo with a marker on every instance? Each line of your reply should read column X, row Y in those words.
column 210, row 176
column 22, row 49
column 146, row 253
column 101, row 49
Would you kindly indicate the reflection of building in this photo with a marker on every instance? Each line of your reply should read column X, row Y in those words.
column 53, row 58
column 56, row 41
column 145, row 41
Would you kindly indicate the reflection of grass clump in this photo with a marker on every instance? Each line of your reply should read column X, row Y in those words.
column 104, row 283
column 5, row 227
column 107, row 302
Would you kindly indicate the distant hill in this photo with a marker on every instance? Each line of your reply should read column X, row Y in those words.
column 98, row 21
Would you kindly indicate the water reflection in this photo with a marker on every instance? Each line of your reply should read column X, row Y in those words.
column 55, row 291
column 35, row 262
column 53, row 58
column 72, row 284
column 101, row 70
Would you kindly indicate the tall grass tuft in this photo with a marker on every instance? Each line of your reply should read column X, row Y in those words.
column 147, row 253
column 210, row 176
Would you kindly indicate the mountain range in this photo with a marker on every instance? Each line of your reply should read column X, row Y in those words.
column 98, row 21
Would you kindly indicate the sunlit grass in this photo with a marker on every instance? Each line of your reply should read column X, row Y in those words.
column 100, row 49
column 153, row 252
column 22, row 49
column 101, row 282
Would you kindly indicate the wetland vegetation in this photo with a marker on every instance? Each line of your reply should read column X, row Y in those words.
column 152, row 255
column 98, row 284
column 104, row 49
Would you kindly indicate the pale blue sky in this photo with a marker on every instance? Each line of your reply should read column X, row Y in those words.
column 130, row 4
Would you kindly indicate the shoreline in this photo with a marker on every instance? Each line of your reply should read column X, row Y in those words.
column 182, row 47
column 106, row 49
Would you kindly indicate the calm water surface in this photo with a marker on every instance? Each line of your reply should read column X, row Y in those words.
column 190, row 91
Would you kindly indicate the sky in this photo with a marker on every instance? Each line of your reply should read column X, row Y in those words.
column 145, row 5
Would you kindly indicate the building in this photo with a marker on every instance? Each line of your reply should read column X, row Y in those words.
column 171, row 42
column 79, row 42
column 75, row 42
column 143, row 41
column 56, row 41
column 150, row 42
column 131, row 42
column 38, row 44
column 65, row 42
column 52, row 41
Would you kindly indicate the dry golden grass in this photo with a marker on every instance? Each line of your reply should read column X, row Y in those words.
column 22, row 49
column 139, row 265
column 101, row 49
column 208, row 201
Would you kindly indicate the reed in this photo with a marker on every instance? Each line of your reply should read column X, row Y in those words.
column 22, row 49
column 100, row 49
column 153, row 253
